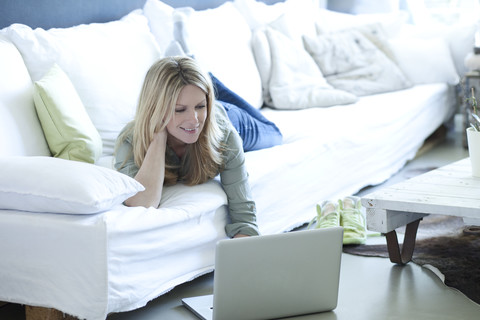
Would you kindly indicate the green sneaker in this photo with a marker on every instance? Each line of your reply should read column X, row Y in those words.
column 352, row 220
column 327, row 216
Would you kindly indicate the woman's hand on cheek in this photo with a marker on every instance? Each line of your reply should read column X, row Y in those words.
column 160, row 137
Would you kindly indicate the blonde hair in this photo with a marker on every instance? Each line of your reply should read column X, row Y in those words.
column 156, row 106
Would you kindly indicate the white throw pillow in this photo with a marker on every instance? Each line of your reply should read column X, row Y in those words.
column 220, row 40
column 20, row 128
column 106, row 63
column 425, row 60
column 46, row 184
column 287, row 25
column 263, row 59
column 160, row 19
column 351, row 62
column 375, row 32
column 296, row 82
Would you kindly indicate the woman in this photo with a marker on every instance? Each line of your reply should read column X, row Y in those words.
column 180, row 134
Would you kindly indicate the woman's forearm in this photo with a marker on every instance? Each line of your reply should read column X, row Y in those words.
column 151, row 174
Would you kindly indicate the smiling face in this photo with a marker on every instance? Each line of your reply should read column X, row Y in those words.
column 189, row 118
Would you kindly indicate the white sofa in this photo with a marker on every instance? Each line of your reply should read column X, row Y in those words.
column 66, row 240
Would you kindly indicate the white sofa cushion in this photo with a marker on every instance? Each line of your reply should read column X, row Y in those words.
column 19, row 126
column 106, row 62
column 425, row 60
column 220, row 40
column 460, row 39
column 257, row 13
column 302, row 12
column 67, row 127
column 160, row 19
column 46, row 184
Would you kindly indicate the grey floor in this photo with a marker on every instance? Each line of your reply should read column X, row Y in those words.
column 370, row 288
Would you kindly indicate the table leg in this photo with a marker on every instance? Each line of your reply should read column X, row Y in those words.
column 405, row 255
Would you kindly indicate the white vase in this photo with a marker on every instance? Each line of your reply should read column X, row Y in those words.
column 473, row 140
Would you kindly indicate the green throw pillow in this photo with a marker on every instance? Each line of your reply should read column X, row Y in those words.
column 67, row 127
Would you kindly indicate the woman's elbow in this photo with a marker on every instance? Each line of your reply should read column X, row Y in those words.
column 138, row 201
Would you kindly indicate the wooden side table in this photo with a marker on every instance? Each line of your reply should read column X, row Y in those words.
column 449, row 190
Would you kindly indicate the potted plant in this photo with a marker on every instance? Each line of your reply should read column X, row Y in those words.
column 473, row 135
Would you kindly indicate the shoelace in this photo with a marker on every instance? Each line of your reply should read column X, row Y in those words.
column 330, row 220
column 353, row 219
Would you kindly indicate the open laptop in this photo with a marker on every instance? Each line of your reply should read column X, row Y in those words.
column 273, row 276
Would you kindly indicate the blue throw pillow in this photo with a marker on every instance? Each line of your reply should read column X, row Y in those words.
column 256, row 131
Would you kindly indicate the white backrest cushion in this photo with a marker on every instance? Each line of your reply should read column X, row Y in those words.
column 460, row 39
column 220, row 40
column 106, row 63
column 160, row 19
column 257, row 14
column 330, row 21
column 20, row 128
column 425, row 60
column 301, row 13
